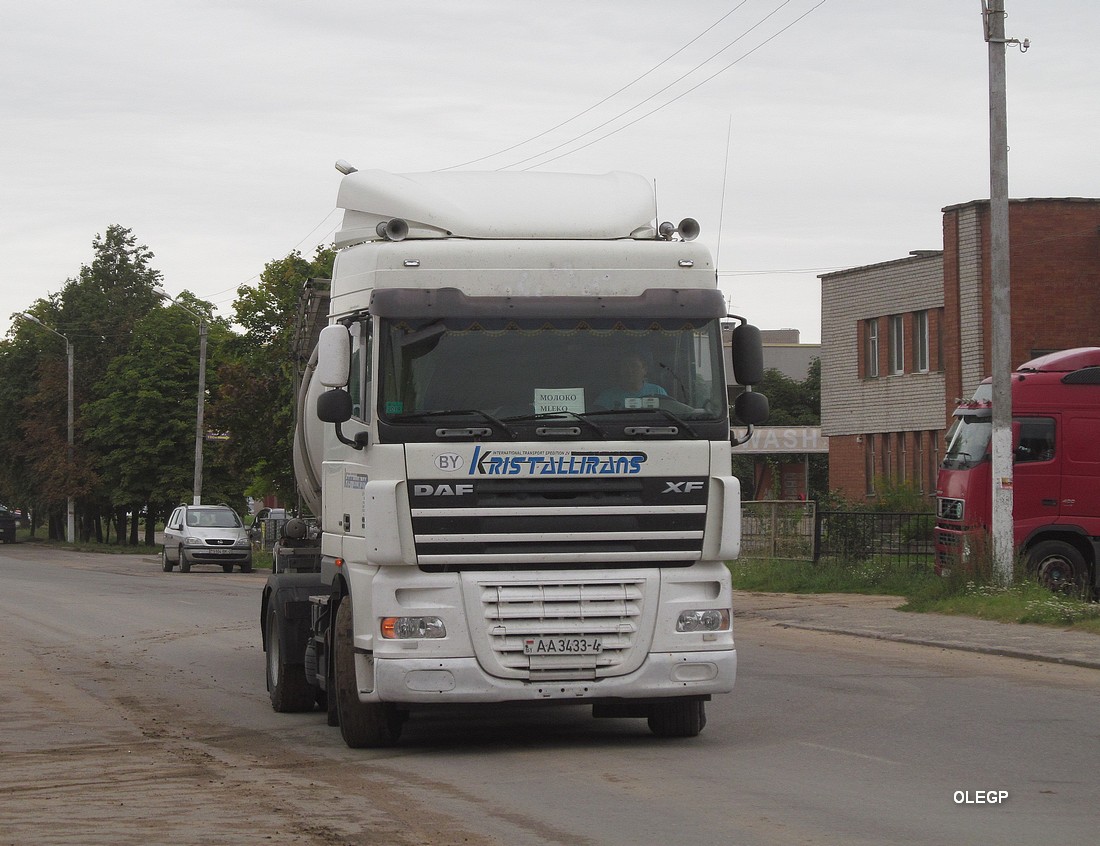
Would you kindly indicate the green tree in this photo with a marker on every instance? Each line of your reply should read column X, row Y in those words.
column 96, row 311
column 255, row 405
column 142, row 427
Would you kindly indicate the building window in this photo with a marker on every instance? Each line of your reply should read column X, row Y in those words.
column 920, row 342
column 869, row 464
column 870, row 351
column 897, row 344
column 933, row 459
column 902, row 457
column 920, row 462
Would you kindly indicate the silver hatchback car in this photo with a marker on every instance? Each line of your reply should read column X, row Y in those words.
column 205, row 534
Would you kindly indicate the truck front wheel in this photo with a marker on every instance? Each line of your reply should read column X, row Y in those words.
column 286, row 682
column 362, row 724
column 678, row 718
column 1059, row 566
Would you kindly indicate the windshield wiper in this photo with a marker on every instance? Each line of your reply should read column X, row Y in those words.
column 662, row 411
column 559, row 415
column 456, row 412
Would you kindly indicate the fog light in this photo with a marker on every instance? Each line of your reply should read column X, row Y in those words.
column 412, row 628
column 708, row 620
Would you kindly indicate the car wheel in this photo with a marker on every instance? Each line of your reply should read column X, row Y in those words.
column 1059, row 566
column 185, row 565
column 362, row 724
column 286, row 683
column 246, row 567
column 678, row 718
column 165, row 564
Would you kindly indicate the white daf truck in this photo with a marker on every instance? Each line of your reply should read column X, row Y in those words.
column 516, row 436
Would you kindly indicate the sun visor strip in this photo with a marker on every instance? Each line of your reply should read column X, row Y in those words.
column 691, row 303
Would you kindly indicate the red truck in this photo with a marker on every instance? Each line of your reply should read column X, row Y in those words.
column 1056, row 472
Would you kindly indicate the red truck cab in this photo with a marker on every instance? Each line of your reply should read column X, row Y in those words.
column 1056, row 471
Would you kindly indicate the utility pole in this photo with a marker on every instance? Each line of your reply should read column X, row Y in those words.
column 200, row 401
column 199, row 407
column 70, row 505
column 1004, row 548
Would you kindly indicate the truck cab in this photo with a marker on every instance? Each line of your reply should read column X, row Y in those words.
column 516, row 435
column 1056, row 472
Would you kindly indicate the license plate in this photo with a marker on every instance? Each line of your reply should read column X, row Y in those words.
column 562, row 646
column 218, row 551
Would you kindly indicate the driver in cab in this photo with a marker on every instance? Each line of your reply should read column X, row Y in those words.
column 630, row 382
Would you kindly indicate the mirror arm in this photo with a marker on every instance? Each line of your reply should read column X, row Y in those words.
column 744, row 439
column 361, row 439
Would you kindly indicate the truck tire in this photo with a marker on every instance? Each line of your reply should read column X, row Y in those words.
column 286, row 682
column 362, row 724
column 1059, row 566
column 165, row 564
column 678, row 718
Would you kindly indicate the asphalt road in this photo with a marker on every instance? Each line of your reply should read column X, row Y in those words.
column 133, row 711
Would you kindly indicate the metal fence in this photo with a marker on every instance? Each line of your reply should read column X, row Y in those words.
column 778, row 529
column 786, row 529
column 908, row 537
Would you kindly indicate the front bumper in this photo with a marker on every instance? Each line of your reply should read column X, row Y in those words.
column 461, row 680
column 217, row 555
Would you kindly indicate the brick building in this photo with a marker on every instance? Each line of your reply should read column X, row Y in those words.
column 903, row 340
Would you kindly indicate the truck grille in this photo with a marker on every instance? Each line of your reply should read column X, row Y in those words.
column 564, row 523
column 950, row 509
column 607, row 610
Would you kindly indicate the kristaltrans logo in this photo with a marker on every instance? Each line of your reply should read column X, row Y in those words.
column 487, row 462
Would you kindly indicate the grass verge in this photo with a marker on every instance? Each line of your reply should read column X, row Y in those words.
column 973, row 596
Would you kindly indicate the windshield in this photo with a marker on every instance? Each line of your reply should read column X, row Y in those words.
column 503, row 372
column 220, row 518
column 967, row 442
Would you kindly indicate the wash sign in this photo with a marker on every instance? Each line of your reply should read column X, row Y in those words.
column 768, row 440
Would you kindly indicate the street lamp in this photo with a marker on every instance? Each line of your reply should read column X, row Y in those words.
column 70, row 509
column 201, row 401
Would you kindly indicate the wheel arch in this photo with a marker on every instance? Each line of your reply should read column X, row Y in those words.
column 1075, row 536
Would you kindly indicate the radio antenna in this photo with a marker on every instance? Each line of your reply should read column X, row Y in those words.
column 722, row 206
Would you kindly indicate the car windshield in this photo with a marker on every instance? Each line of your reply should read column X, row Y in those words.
column 967, row 442
column 214, row 518
column 516, row 369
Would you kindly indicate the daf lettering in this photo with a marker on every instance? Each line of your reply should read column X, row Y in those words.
column 442, row 490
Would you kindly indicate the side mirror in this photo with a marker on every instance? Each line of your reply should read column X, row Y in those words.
column 334, row 406
column 334, row 357
column 751, row 408
column 748, row 355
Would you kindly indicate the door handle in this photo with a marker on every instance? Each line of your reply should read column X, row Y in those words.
column 1053, row 503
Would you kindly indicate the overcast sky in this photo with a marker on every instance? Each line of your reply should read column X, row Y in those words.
column 805, row 136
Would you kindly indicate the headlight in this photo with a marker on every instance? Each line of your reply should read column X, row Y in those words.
column 242, row 541
column 707, row 620
column 411, row 628
column 194, row 541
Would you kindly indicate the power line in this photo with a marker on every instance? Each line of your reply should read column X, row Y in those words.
column 678, row 96
column 610, row 96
